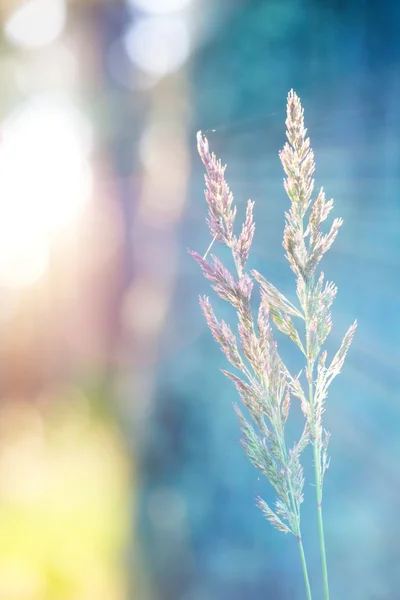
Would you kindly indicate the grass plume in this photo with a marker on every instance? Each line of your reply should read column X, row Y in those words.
column 263, row 382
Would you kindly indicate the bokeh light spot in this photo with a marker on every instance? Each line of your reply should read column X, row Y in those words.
column 160, row 6
column 144, row 308
column 158, row 45
column 36, row 23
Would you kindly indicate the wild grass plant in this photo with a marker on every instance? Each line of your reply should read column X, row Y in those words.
column 264, row 383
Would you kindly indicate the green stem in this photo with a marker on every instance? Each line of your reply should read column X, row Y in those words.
column 320, row 523
column 317, row 474
column 281, row 441
column 304, row 566
column 317, row 450
column 296, row 512
column 300, row 542
column 301, row 548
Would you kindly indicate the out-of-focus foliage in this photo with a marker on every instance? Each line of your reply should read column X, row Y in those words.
column 64, row 517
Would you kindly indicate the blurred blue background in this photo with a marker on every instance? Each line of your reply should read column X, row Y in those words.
column 121, row 473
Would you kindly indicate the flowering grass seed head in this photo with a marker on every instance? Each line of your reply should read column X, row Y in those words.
column 267, row 385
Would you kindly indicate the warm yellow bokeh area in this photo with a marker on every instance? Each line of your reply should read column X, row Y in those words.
column 64, row 502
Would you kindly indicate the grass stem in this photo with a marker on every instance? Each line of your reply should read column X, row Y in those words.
column 321, row 524
column 318, row 489
column 304, row 567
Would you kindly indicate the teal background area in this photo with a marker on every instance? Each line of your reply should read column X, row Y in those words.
column 343, row 60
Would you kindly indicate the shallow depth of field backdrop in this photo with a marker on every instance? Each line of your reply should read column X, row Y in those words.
column 121, row 474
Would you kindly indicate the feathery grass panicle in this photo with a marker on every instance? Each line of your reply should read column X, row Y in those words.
column 305, row 246
column 266, row 385
column 264, row 391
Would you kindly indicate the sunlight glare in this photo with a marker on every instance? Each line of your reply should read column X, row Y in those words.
column 45, row 181
column 36, row 23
